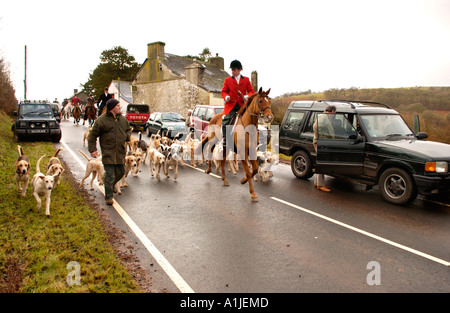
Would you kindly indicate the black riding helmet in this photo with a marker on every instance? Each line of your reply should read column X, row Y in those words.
column 236, row 64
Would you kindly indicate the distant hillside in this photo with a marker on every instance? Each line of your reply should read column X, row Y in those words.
column 431, row 103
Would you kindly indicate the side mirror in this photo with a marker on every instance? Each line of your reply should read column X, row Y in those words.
column 16, row 113
column 422, row 135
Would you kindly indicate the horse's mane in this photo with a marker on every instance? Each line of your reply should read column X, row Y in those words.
column 245, row 106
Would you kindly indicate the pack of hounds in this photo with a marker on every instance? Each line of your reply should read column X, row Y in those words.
column 41, row 184
column 162, row 153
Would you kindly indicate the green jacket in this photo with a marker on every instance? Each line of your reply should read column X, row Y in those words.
column 113, row 133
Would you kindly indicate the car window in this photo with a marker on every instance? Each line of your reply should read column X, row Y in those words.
column 35, row 109
column 209, row 114
column 218, row 110
column 294, row 121
column 152, row 117
column 138, row 108
column 195, row 113
column 172, row 117
column 201, row 113
column 309, row 126
column 335, row 126
column 158, row 117
column 382, row 126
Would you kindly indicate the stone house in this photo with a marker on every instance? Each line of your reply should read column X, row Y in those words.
column 121, row 91
column 167, row 82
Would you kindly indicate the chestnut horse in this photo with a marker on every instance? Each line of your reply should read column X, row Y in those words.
column 76, row 113
column 90, row 114
column 258, row 105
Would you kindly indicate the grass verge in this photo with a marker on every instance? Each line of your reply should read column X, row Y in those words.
column 35, row 250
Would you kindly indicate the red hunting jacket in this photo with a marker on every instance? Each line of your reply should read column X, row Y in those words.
column 231, row 87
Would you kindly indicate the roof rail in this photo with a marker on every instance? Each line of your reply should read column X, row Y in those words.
column 355, row 101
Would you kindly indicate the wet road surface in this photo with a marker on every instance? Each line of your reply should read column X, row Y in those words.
column 212, row 238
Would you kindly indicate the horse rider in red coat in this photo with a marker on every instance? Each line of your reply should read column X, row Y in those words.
column 235, row 91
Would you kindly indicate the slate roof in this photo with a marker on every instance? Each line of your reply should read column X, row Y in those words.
column 125, row 90
column 213, row 76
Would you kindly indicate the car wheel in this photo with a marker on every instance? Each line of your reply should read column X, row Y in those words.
column 301, row 165
column 397, row 186
column 56, row 138
column 17, row 138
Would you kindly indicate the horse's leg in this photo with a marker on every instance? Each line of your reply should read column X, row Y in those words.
column 208, row 157
column 248, row 178
column 208, row 170
column 224, row 178
column 255, row 167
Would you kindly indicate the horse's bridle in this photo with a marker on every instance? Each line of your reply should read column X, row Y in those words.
column 261, row 110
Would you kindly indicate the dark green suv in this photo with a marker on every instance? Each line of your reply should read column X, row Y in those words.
column 35, row 120
column 367, row 142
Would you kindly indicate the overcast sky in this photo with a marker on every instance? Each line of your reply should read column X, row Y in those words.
column 293, row 45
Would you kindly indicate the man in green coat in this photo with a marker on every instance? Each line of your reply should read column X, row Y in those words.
column 114, row 131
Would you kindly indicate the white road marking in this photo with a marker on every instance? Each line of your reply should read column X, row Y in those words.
column 392, row 243
column 199, row 169
column 162, row 261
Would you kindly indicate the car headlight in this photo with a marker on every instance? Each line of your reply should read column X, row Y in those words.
column 32, row 125
column 23, row 124
column 43, row 125
column 52, row 124
column 436, row 167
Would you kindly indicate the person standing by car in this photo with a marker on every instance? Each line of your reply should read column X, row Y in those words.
column 114, row 131
column 323, row 126
column 104, row 97
column 235, row 91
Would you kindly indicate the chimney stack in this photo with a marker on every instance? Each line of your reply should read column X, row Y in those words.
column 194, row 72
column 254, row 79
column 155, row 50
column 218, row 61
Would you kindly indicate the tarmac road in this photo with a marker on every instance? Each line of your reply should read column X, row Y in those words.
column 196, row 235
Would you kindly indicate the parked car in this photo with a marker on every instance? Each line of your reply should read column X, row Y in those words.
column 166, row 123
column 35, row 120
column 371, row 144
column 201, row 116
column 137, row 114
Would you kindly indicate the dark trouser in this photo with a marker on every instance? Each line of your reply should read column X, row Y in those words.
column 226, row 121
column 113, row 173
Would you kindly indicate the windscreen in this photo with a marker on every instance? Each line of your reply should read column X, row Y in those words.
column 386, row 126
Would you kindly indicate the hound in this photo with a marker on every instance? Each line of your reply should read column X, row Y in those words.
column 157, row 160
column 191, row 146
column 143, row 146
column 94, row 167
column 130, row 165
column 22, row 172
column 218, row 156
column 140, row 158
column 265, row 161
column 42, row 186
column 132, row 144
column 173, row 154
column 55, row 167
column 86, row 135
